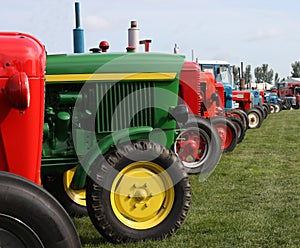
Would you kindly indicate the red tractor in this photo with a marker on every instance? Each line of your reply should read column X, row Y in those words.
column 29, row 216
column 290, row 95
column 198, row 91
column 234, row 99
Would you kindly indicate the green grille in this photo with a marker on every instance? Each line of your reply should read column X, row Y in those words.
column 123, row 105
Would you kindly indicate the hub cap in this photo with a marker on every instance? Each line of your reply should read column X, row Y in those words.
column 142, row 195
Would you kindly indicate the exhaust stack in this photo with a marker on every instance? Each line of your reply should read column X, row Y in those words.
column 78, row 36
column 133, row 36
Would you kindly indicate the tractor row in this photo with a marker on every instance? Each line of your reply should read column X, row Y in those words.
column 257, row 104
column 110, row 135
column 289, row 95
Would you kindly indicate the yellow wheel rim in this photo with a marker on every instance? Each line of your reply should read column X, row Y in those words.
column 77, row 196
column 142, row 195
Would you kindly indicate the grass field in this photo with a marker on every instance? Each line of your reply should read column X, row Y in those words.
column 251, row 200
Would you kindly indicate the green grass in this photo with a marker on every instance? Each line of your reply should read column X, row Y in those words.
column 251, row 200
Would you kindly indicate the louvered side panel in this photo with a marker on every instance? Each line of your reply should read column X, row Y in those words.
column 123, row 105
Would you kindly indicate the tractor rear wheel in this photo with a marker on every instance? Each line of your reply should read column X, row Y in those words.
column 267, row 107
column 31, row 217
column 255, row 118
column 227, row 132
column 139, row 191
column 266, row 110
column 198, row 145
column 261, row 110
column 240, row 114
column 72, row 200
column 239, row 126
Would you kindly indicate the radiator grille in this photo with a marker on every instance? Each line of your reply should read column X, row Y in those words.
column 123, row 105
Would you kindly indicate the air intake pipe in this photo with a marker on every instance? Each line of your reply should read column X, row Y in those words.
column 78, row 36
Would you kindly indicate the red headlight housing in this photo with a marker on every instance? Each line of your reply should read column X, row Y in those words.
column 17, row 91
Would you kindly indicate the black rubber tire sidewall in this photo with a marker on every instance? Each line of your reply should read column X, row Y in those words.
column 239, row 125
column 34, row 206
column 226, row 122
column 242, row 115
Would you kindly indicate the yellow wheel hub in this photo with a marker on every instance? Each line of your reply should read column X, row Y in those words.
column 77, row 196
column 142, row 195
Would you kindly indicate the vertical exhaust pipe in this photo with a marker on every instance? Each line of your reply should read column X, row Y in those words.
column 133, row 36
column 78, row 36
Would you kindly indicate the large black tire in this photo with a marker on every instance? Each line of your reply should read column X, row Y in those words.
column 255, row 118
column 267, row 107
column 72, row 200
column 198, row 145
column 31, row 217
column 139, row 191
column 296, row 106
column 239, row 126
column 240, row 114
column 227, row 132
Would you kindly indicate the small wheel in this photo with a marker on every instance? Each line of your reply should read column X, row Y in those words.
column 296, row 106
column 272, row 108
column 139, row 191
column 239, row 126
column 278, row 107
column 255, row 118
column 227, row 132
column 72, row 200
column 198, row 145
column 31, row 217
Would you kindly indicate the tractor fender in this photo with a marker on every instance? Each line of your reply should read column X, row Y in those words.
column 113, row 139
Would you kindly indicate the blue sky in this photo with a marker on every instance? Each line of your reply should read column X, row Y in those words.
column 255, row 32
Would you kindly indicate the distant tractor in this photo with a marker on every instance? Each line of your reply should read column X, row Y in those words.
column 198, row 90
column 290, row 95
column 29, row 215
column 272, row 101
column 234, row 98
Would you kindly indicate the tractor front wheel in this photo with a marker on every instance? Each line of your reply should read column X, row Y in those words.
column 255, row 118
column 240, row 128
column 198, row 145
column 139, row 191
column 227, row 132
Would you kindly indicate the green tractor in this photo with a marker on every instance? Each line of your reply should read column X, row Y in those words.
column 110, row 123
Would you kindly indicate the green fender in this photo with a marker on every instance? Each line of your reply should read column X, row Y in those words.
column 133, row 133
